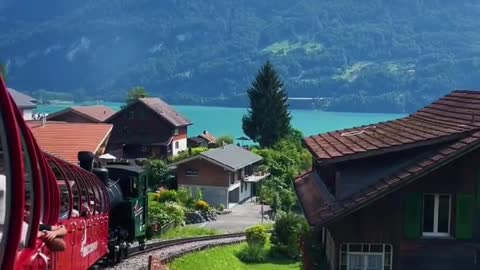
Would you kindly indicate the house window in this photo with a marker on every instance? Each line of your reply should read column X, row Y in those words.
column 436, row 214
column 175, row 132
column 355, row 256
column 130, row 115
column 177, row 145
column 191, row 172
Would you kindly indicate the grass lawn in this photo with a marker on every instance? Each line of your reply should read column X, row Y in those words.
column 185, row 232
column 221, row 258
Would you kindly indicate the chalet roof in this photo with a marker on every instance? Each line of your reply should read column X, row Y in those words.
column 22, row 100
column 65, row 140
column 208, row 137
column 319, row 207
column 96, row 113
column 166, row 111
column 447, row 119
column 230, row 157
column 449, row 126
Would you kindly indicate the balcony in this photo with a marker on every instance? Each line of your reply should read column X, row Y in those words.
column 256, row 177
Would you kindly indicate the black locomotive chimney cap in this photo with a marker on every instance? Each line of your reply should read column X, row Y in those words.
column 86, row 160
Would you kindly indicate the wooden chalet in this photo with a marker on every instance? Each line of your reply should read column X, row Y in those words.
column 402, row 194
column 148, row 128
column 206, row 139
column 83, row 114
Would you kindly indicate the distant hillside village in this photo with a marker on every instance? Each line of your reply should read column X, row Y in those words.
column 148, row 128
column 402, row 194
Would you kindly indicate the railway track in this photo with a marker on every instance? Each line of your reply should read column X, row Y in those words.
column 171, row 249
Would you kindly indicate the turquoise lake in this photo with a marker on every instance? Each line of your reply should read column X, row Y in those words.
column 228, row 121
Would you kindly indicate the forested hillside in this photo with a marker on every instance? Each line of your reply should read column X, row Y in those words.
column 372, row 55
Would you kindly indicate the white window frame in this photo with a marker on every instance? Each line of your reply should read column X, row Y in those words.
column 348, row 252
column 435, row 232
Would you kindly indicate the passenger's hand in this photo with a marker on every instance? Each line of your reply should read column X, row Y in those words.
column 49, row 235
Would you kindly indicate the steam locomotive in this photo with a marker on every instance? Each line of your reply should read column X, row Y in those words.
column 103, row 208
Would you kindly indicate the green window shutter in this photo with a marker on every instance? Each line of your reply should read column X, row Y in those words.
column 412, row 225
column 464, row 216
column 478, row 190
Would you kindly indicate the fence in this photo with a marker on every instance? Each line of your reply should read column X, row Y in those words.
column 163, row 229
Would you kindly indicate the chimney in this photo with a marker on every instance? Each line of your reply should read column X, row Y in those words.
column 43, row 118
column 86, row 160
column 205, row 132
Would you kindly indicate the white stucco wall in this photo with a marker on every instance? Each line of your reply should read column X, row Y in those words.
column 182, row 146
column 27, row 114
column 246, row 191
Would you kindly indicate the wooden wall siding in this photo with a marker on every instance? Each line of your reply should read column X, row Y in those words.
column 382, row 221
column 145, row 126
column 209, row 174
column 72, row 117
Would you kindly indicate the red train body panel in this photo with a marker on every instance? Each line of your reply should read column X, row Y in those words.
column 52, row 191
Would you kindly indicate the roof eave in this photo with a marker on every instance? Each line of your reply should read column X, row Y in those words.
column 385, row 150
column 393, row 189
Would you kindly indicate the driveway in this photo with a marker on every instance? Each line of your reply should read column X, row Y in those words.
column 242, row 216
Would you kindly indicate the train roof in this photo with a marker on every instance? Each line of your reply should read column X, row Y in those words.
column 131, row 168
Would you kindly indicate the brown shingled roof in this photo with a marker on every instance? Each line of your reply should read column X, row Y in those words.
column 319, row 209
column 96, row 113
column 166, row 111
column 453, row 120
column 444, row 120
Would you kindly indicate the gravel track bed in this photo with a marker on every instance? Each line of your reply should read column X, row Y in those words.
column 140, row 262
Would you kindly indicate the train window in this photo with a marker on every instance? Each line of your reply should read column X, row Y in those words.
column 84, row 199
column 64, row 194
column 64, row 199
column 5, row 194
column 75, row 193
column 29, row 198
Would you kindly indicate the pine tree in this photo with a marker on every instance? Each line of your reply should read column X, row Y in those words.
column 134, row 94
column 268, row 119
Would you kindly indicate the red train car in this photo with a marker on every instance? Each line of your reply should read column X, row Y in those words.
column 38, row 188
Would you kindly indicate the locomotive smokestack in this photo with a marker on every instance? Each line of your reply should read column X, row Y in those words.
column 86, row 160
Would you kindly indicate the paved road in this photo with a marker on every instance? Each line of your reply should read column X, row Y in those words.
column 242, row 216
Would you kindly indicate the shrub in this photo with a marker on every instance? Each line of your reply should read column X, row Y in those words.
column 287, row 233
column 252, row 254
column 163, row 213
column 185, row 197
column 221, row 207
column 256, row 236
column 167, row 196
column 201, row 205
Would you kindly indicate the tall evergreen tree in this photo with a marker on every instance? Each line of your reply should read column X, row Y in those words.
column 134, row 94
column 268, row 119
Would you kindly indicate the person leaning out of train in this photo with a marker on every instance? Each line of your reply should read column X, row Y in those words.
column 53, row 236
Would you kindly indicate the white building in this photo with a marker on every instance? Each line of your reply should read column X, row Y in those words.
column 25, row 103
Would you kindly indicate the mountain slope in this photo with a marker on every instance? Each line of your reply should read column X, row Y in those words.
column 376, row 55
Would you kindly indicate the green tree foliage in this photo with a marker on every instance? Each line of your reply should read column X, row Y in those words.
column 159, row 174
column 226, row 139
column 287, row 232
column 166, row 196
column 268, row 119
column 187, row 153
column 134, row 94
